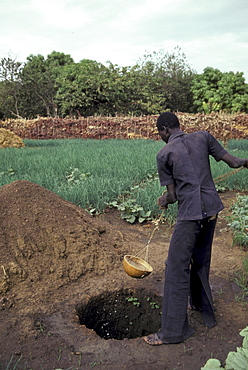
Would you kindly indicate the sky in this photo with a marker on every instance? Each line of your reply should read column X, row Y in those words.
column 211, row 33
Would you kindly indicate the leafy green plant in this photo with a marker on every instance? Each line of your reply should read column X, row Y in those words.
column 239, row 221
column 134, row 301
column 75, row 177
column 152, row 304
column 220, row 188
column 225, row 91
column 131, row 211
column 210, row 106
column 9, row 172
column 235, row 360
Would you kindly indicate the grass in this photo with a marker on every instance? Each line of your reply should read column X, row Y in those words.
column 13, row 363
column 238, row 221
column 102, row 169
column 94, row 173
column 241, row 279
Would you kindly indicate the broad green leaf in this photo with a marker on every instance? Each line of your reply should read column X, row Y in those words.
column 236, row 361
column 212, row 364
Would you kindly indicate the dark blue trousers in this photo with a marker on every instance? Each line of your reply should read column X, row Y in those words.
column 187, row 276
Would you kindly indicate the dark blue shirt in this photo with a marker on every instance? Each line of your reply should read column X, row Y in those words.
column 184, row 161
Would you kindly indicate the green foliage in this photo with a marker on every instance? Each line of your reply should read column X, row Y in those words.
column 147, row 194
column 212, row 364
column 134, row 301
column 210, row 106
column 239, row 221
column 170, row 78
column 80, row 88
column 89, row 173
column 131, row 211
column 28, row 89
column 214, row 91
column 55, row 85
column 241, row 279
column 153, row 305
column 10, row 172
column 10, row 87
column 237, row 181
column 94, row 173
column 38, row 83
column 75, row 176
column 235, row 360
column 238, row 145
column 130, row 208
column 161, row 81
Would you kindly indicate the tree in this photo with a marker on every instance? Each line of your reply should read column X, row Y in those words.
column 124, row 91
column 171, row 79
column 148, row 97
column 89, row 88
column 79, row 88
column 10, row 86
column 38, row 79
column 214, row 90
column 159, row 81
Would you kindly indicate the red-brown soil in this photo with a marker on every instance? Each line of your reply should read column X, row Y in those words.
column 55, row 258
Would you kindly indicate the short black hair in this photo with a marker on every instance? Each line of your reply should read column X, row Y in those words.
column 167, row 119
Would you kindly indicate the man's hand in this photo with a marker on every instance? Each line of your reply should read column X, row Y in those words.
column 168, row 197
column 162, row 201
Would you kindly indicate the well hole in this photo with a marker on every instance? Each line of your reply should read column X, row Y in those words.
column 122, row 314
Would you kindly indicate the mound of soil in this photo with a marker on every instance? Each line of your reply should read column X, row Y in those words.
column 62, row 286
column 10, row 139
column 48, row 241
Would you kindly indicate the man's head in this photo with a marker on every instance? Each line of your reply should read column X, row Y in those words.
column 167, row 123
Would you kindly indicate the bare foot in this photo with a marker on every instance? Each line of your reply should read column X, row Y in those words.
column 153, row 340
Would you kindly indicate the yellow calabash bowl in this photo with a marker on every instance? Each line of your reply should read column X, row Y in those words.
column 136, row 267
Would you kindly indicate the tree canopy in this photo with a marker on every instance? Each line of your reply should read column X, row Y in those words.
column 216, row 91
column 57, row 86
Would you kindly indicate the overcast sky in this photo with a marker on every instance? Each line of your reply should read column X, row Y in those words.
column 211, row 33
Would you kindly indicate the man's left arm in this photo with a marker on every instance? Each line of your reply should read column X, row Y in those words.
column 234, row 162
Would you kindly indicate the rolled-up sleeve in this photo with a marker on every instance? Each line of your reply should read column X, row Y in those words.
column 164, row 172
column 215, row 149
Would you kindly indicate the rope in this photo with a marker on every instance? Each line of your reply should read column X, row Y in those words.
column 216, row 181
column 151, row 236
column 226, row 175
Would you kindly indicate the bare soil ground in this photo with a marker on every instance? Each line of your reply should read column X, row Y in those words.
column 55, row 260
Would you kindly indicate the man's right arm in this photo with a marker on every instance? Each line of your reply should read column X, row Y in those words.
column 169, row 197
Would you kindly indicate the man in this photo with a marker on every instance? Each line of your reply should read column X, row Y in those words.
column 184, row 168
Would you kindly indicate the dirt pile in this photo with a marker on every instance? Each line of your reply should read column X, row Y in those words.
column 10, row 139
column 48, row 241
